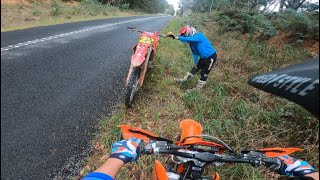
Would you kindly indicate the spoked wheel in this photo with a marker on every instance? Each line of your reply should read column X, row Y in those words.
column 132, row 87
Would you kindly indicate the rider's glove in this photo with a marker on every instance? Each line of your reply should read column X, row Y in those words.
column 294, row 167
column 171, row 35
column 126, row 150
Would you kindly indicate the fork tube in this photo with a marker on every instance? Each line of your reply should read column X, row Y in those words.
column 129, row 74
column 145, row 67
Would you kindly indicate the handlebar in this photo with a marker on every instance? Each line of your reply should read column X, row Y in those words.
column 252, row 157
column 140, row 31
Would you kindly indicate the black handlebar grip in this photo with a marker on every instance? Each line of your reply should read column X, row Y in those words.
column 273, row 163
column 205, row 157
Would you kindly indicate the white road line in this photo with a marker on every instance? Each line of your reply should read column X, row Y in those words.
column 69, row 33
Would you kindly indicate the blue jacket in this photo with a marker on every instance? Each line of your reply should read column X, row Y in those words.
column 200, row 46
column 97, row 176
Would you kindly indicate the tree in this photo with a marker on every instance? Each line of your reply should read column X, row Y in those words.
column 149, row 6
column 170, row 10
column 310, row 7
column 294, row 4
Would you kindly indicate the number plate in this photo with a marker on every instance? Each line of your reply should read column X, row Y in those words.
column 146, row 40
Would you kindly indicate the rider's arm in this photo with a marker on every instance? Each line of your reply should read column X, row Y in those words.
column 107, row 171
column 122, row 153
column 111, row 167
column 195, row 38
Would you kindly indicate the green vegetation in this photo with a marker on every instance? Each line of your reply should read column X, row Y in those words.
column 148, row 6
column 244, row 117
column 296, row 20
column 40, row 13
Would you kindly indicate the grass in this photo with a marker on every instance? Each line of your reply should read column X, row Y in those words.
column 242, row 116
column 35, row 14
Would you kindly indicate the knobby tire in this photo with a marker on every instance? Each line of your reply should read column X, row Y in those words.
column 130, row 89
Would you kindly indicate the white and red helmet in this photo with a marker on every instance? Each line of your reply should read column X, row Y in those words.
column 187, row 31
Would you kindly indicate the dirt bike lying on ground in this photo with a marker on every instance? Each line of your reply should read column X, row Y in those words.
column 144, row 54
column 194, row 151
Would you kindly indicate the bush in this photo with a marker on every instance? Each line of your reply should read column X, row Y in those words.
column 56, row 8
column 37, row 12
column 299, row 25
column 125, row 6
column 246, row 22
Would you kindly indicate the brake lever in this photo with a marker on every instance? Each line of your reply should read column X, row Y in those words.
column 154, row 147
column 132, row 29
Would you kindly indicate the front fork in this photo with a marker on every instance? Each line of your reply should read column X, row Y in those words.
column 143, row 66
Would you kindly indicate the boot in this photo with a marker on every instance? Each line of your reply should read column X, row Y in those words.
column 198, row 87
column 185, row 78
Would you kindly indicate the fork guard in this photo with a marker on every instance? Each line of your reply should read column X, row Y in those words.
column 140, row 54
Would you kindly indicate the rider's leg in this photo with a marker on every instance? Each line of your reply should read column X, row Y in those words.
column 189, row 75
column 205, row 70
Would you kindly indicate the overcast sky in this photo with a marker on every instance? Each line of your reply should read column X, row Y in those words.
column 175, row 4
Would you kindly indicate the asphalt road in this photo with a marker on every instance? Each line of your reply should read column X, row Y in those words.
column 56, row 82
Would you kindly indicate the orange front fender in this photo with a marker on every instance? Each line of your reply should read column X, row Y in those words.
column 159, row 172
column 139, row 56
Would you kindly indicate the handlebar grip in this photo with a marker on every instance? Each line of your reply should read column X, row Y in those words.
column 273, row 163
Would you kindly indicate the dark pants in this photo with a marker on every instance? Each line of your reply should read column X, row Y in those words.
column 205, row 65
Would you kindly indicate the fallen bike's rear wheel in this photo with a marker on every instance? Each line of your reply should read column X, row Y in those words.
column 132, row 86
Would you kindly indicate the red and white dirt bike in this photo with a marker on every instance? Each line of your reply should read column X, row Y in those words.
column 194, row 151
column 144, row 54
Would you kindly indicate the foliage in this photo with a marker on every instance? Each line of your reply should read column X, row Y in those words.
column 170, row 10
column 296, row 25
column 148, row 6
column 246, row 22
column 310, row 7
column 211, row 5
column 125, row 6
column 297, row 18
column 56, row 8
column 299, row 25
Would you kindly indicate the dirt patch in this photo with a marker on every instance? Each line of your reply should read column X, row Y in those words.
column 279, row 40
column 312, row 46
column 22, row 1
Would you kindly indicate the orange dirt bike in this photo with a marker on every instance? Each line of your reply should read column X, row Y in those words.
column 194, row 151
column 144, row 54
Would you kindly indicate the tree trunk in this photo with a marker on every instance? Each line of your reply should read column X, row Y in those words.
column 282, row 3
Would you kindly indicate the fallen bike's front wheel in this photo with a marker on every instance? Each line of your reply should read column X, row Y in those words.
column 132, row 87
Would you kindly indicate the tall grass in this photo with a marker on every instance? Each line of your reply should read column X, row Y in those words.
column 227, row 107
column 37, row 13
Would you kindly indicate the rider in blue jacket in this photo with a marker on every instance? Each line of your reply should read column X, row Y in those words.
column 204, row 54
